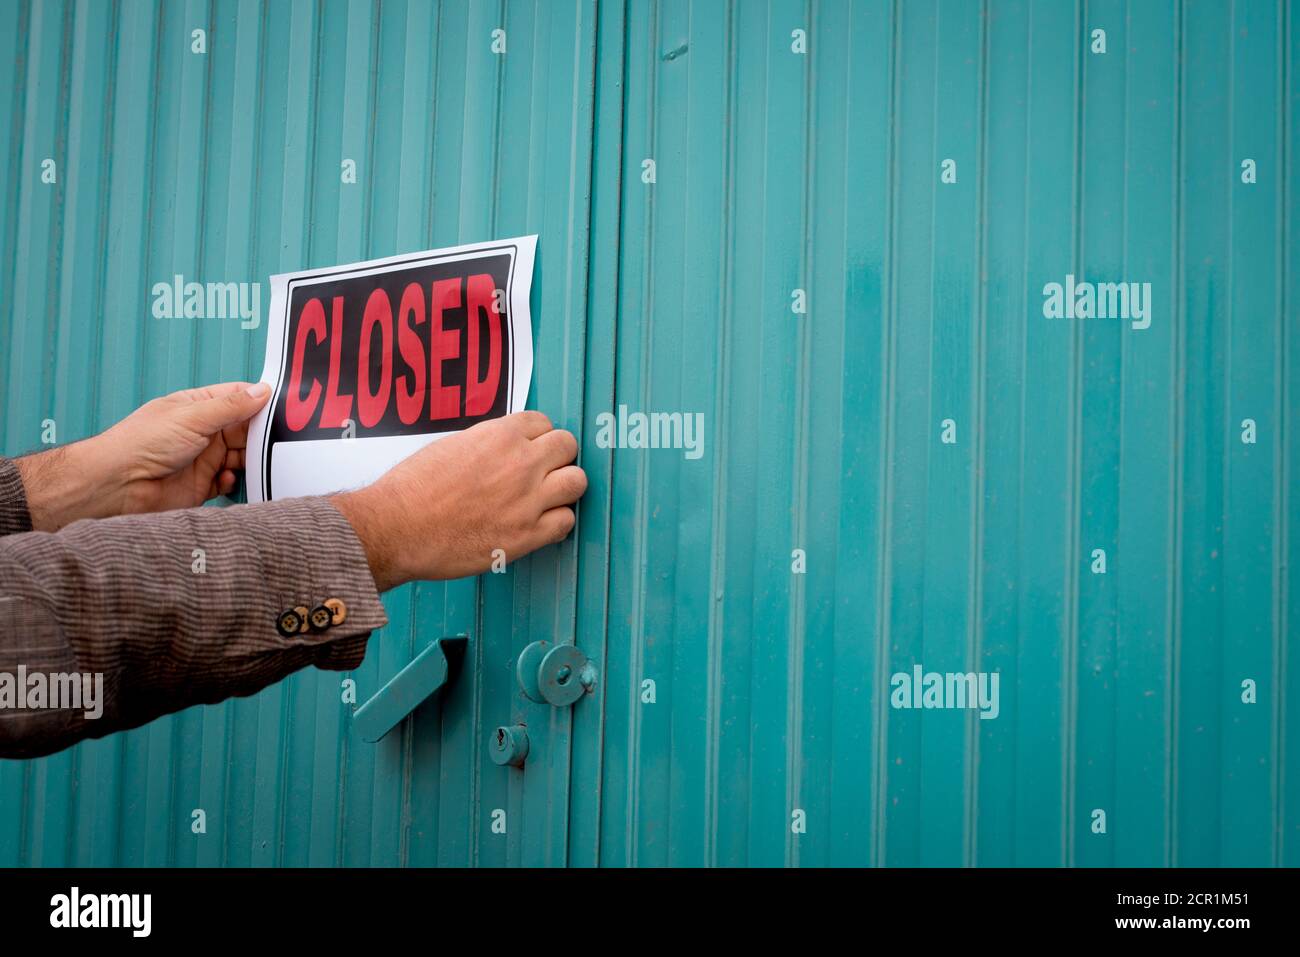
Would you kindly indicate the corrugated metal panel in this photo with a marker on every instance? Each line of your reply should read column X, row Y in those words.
column 774, row 171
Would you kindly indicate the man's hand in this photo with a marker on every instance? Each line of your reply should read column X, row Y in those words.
column 177, row 451
column 182, row 449
column 503, row 484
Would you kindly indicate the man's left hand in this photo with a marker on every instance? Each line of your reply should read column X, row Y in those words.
column 176, row 451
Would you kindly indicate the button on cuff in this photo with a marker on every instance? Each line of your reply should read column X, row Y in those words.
column 288, row 623
column 338, row 610
column 321, row 618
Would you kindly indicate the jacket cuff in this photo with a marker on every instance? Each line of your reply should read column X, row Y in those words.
column 346, row 654
column 15, row 518
column 316, row 556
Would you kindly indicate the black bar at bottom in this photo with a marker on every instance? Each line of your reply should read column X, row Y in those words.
column 331, row 907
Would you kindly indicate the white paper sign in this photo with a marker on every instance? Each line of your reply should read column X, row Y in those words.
column 371, row 361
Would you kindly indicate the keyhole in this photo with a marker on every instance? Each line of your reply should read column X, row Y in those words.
column 501, row 739
column 563, row 675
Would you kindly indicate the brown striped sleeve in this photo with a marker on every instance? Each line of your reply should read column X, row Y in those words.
column 173, row 610
column 14, row 516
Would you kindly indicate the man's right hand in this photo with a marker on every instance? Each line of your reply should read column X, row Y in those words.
column 504, row 484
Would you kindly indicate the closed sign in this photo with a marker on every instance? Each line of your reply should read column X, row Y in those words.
column 370, row 361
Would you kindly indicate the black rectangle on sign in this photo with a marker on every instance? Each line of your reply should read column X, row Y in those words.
column 413, row 350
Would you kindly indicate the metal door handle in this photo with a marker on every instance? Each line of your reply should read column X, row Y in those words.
column 430, row 671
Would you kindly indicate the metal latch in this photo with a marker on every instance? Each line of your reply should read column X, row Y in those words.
column 431, row 671
column 554, row 674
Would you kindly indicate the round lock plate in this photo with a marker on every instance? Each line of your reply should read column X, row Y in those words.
column 530, row 659
column 557, row 675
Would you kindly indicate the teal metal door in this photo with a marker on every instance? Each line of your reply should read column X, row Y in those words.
column 829, row 228
column 227, row 165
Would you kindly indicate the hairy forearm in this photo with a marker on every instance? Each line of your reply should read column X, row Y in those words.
column 376, row 540
column 64, row 484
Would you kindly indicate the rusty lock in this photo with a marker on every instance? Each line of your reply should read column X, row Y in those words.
column 549, row 674
column 554, row 674
column 509, row 745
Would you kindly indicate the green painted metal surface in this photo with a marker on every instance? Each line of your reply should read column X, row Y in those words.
column 774, row 171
